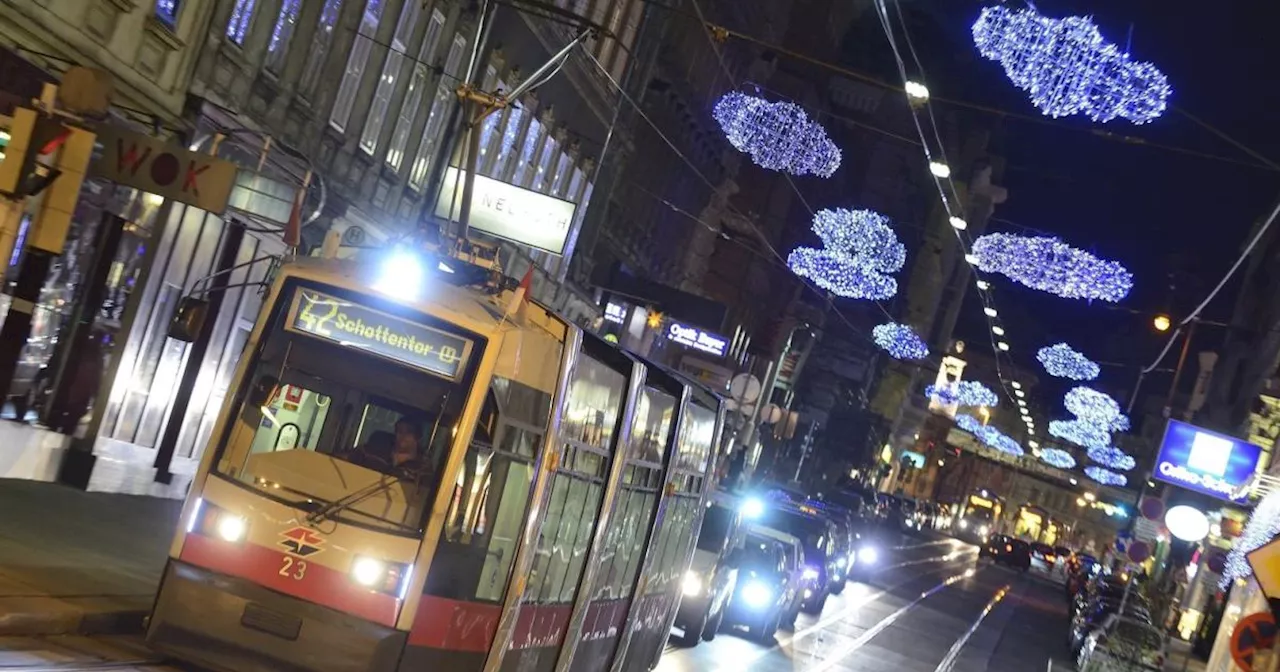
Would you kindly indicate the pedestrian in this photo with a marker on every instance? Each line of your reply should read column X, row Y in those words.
column 84, row 383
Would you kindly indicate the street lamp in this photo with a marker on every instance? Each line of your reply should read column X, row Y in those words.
column 1162, row 322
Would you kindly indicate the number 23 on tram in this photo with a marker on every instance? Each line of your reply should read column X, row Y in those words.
column 411, row 475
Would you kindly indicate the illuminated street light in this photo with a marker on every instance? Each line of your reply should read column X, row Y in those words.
column 1162, row 323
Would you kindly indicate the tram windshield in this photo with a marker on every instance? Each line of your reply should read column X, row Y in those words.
column 335, row 424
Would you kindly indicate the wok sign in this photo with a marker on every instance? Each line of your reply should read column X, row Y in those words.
column 168, row 170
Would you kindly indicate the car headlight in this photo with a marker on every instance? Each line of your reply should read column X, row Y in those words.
column 810, row 573
column 692, row 584
column 841, row 562
column 231, row 528
column 868, row 555
column 757, row 595
column 964, row 524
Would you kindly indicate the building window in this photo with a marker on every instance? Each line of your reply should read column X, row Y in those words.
column 440, row 109
column 281, row 34
column 417, row 88
column 320, row 43
column 542, row 178
column 241, row 16
column 407, row 23
column 559, row 181
column 356, row 62
column 515, row 117
column 167, row 12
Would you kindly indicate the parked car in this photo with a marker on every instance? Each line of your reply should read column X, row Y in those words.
column 1105, row 587
column 799, row 587
column 1045, row 554
column 761, row 597
column 1122, row 645
column 713, row 573
column 1096, row 615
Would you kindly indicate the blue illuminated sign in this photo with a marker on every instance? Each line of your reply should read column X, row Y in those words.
column 698, row 339
column 1206, row 462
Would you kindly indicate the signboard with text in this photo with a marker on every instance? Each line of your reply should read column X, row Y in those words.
column 504, row 210
column 1206, row 462
column 152, row 165
column 697, row 339
column 354, row 326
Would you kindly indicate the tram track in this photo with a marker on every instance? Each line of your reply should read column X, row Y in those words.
column 953, row 654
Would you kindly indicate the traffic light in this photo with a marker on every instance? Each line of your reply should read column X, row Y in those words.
column 31, row 136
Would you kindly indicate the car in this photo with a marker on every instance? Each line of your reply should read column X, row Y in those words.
column 1015, row 553
column 1122, row 645
column 1105, row 587
column 799, row 587
column 1095, row 616
column 713, row 573
column 1044, row 553
column 988, row 549
column 764, row 590
column 819, row 536
column 848, row 541
column 1064, row 554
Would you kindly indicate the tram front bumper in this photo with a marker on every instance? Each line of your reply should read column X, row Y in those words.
column 227, row 623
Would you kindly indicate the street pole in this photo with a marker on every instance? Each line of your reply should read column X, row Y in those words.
column 217, row 289
column 1177, row 371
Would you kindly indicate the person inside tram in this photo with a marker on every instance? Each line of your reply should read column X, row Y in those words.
column 398, row 453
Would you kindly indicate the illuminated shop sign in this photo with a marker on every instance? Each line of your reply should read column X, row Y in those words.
column 354, row 326
column 693, row 337
column 507, row 211
column 1206, row 462
column 615, row 313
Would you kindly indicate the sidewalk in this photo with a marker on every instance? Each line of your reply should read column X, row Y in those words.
column 75, row 562
column 1180, row 658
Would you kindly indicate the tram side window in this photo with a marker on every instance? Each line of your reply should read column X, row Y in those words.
column 491, row 495
column 591, row 413
column 672, row 543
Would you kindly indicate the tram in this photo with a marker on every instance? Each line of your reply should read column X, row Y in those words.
column 411, row 474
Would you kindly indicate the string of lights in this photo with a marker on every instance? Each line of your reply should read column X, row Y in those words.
column 1063, row 361
column 939, row 168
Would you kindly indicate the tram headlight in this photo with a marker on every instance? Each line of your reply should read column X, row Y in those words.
column 982, row 531
column 369, row 571
column 231, row 528
column 868, row 555
column 757, row 595
column 810, row 574
column 692, row 585
column 752, row 508
column 400, row 275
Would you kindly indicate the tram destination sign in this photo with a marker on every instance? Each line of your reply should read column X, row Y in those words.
column 1206, row 462
column 352, row 325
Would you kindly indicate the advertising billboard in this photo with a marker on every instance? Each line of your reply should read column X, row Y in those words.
column 1206, row 462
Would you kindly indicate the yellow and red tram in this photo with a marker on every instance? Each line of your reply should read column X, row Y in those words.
column 409, row 474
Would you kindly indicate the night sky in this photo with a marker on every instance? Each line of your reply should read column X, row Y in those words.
column 1157, row 211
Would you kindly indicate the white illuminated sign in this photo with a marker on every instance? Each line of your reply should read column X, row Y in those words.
column 693, row 337
column 1186, row 523
column 507, row 211
column 615, row 313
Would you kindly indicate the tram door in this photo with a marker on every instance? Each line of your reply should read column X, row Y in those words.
column 618, row 562
column 671, row 548
column 593, row 410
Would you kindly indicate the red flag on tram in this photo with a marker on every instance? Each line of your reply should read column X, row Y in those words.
column 521, row 295
column 293, row 229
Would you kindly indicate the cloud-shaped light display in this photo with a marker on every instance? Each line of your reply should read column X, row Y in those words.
column 777, row 135
column 1081, row 433
column 899, row 341
column 1112, row 458
column 859, row 253
column 1098, row 408
column 1057, row 457
column 963, row 393
column 1067, row 67
column 1105, row 477
column 1050, row 265
column 988, row 435
column 1063, row 361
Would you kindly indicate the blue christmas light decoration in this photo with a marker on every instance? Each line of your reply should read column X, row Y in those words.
column 1105, row 476
column 899, row 341
column 1097, row 408
column 777, row 135
column 1112, row 458
column 968, row 423
column 1063, row 361
column 859, row 253
column 1006, row 444
column 1067, row 67
column 1050, row 265
column 1081, row 433
column 963, row 393
column 1057, row 457
column 988, row 435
